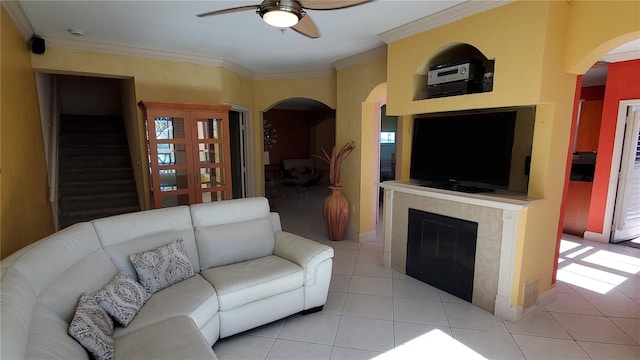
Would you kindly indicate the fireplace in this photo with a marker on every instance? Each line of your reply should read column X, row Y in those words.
column 441, row 251
column 497, row 216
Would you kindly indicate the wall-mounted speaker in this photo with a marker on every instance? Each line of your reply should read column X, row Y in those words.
column 37, row 45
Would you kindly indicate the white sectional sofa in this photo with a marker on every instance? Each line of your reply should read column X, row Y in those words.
column 248, row 272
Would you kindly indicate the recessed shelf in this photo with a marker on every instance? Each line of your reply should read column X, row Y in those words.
column 458, row 69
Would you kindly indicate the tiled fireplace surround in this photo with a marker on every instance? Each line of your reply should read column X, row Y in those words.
column 497, row 217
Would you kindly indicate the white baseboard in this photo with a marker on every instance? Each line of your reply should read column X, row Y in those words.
column 594, row 236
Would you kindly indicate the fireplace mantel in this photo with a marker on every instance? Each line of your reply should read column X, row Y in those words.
column 497, row 214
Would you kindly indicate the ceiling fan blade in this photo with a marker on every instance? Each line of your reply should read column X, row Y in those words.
column 330, row 4
column 307, row 27
column 230, row 10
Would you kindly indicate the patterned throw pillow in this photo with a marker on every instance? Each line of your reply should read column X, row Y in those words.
column 122, row 298
column 93, row 328
column 162, row 267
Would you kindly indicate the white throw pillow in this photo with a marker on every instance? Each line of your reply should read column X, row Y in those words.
column 122, row 298
column 162, row 267
column 93, row 328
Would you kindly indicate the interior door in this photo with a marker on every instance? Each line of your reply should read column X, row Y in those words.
column 212, row 156
column 626, row 218
column 169, row 153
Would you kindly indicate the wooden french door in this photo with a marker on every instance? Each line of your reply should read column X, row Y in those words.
column 188, row 153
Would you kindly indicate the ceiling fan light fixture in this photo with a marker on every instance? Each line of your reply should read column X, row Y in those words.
column 280, row 18
column 282, row 13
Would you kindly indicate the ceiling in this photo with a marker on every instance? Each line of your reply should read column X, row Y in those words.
column 240, row 41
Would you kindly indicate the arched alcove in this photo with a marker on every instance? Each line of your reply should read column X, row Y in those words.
column 455, row 69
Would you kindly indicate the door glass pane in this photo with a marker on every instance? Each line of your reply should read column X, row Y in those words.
column 169, row 127
column 212, row 196
column 210, row 153
column 173, row 179
column 172, row 154
column 209, row 129
column 175, row 200
column 211, row 177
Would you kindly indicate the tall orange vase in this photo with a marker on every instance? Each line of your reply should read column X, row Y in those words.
column 336, row 213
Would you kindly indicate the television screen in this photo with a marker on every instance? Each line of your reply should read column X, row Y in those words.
column 464, row 151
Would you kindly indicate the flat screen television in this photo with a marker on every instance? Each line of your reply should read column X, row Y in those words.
column 464, row 151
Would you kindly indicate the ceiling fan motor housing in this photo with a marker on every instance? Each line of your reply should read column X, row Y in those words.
column 290, row 6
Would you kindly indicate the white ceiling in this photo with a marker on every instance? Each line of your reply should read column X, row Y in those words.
column 239, row 39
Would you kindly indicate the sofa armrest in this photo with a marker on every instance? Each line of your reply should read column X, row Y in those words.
column 304, row 252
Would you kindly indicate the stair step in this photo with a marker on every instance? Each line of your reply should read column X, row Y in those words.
column 93, row 149
column 76, row 188
column 94, row 161
column 75, row 175
column 81, row 124
column 92, row 139
column 100, row 201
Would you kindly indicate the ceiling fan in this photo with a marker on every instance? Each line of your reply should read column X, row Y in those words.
column 290, row 13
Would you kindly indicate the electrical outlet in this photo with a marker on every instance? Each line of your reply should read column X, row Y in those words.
column 353, row 209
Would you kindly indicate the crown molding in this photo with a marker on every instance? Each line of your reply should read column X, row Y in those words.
column 361, row 57
column 23, row 24
column 297, row 75
column 148, row 53
column 441, row 18
column 622, row 56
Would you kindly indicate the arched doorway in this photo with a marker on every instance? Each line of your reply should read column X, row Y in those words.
column 294, row 130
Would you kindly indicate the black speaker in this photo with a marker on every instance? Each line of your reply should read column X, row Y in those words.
column 37, row 45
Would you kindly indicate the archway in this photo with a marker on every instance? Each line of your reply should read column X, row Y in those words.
column 293, row 131
column 602, row 195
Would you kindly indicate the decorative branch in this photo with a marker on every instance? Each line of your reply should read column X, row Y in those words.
column 335, row 161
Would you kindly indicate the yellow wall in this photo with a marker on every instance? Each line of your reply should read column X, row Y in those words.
column 355, row 84
column 548, row 40
column 25, row 207
column 513, row 35
column 597, row 27
column 523, row 35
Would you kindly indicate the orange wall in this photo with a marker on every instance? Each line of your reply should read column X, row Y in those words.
column 622, row 84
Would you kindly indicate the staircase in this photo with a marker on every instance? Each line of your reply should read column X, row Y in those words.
column 95, row 178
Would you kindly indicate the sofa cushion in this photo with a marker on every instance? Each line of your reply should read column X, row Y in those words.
column 162, row 267
column 69, row 245
column 122, row 298
column 193, row 297
column 126, row 234
column 253, row 280
column 17, row 303
column 48, row 338
column 225, row 212
column 93, row 328
column 88, row 275
column 63, row 266
column 174, row 338
column 232, row 243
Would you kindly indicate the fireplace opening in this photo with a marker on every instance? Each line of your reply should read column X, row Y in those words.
column 441, row 251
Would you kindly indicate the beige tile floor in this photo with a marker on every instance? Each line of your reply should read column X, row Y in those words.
column 377, row 313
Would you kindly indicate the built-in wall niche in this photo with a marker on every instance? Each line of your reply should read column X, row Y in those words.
column 457, row 69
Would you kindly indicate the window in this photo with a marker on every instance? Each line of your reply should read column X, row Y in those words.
column 387, row 137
